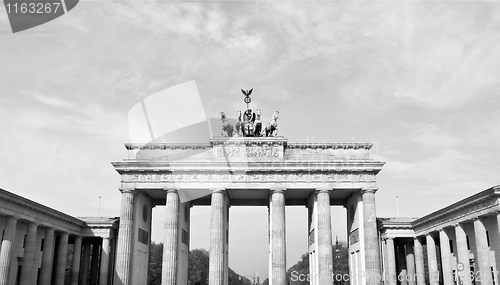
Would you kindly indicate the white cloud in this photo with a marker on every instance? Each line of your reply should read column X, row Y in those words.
column 431, row 135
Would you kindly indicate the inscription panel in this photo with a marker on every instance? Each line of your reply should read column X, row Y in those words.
column 248, row 151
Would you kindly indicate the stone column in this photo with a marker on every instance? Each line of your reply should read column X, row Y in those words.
column 75, row 268
column 171, row 240
column 324, row 231
column 216, row 271
column 85, row 262
column 94, row 263
column 47, row 257
column 103, row 274
column 123, row 251
column 463, row 253
column 432, row 260
column 8, row 242
column 28, row 277
column 278, row 242
column 410, row 264
column 444, row 244
column 483, row 252
column 372, row 251
column 391, row 261
column 62, row 252
column 419, row 261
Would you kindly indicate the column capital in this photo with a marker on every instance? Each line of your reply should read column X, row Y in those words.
column 323, row 189
column 171, row 190
column 479, row 218
column 13, row 218
column 217, row 189
column 368, row 190
column 128, row 190
column 278, row 188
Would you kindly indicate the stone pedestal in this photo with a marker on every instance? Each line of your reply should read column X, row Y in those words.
column 123, row 252
column 277, row 238
column 6, row 249
column 171, row 231
column 372, row 250
column 47, row 257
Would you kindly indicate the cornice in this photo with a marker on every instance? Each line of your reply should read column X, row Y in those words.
column 26, row 203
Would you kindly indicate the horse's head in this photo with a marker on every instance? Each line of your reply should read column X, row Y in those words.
column 258, row 113
column 275, row 115
column 222, row 116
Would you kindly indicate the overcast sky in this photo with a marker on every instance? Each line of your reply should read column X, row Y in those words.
column 417, row 79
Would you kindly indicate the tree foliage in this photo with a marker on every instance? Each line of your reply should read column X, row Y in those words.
column 197, row 268
column 301, row 268
column 155, row 262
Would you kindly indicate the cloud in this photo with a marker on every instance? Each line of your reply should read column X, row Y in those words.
column 53, row 101
column 431, row 135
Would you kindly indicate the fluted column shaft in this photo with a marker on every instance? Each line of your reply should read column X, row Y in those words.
column 463, row 253
column 47, row 257
column 85, row 262
column 6, row 249
column 410, row 264
column 325, row 250
column 278, row 242
column 94, row 263
column 391, row 261
column 432, row 260
column 372, row 250
column 75, row 268
column 444, row 244
column 28, row 276
column 103, row 274
column 123, row 253
column 483, row 253
column 171, row 240
column 62, row 252
column 216, row 268
column 419, row 261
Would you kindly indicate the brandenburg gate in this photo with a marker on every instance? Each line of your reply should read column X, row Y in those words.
column 247, row 171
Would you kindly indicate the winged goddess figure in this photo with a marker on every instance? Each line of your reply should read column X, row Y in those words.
column 247, row 93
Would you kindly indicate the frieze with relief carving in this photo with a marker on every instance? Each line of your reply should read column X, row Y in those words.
column 250, row 177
